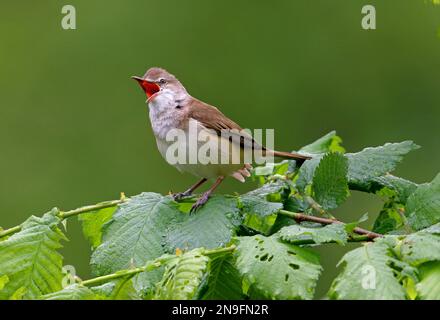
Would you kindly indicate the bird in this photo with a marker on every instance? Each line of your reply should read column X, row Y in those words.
column 173, row 109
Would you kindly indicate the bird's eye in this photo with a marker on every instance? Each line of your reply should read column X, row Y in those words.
column 162, row 81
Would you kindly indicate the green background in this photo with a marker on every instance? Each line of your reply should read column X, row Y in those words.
column 74, row 127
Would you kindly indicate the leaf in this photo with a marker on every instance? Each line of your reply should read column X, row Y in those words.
column 420, row 247
column 18, row 294
column 330, row 187
column 367, row 275
column 388, row 220
column 275, row 269
column 260, row 214
column 328, row 143
column 423, row 206
column 349, row 227
column 92, row 223
column 429, row 286
column 402, row 188
column 390, row 217
column 134, row 235
column 30, row 259
column 330, row 233
column 4, row 279
column 276, row 191
column 182, row 277
column 119, row 289
column 434, row 229
column 374, row 162
column 224, row 281
column 73, row 292
column 306, row 172
column 265, row 170
column 211, row 227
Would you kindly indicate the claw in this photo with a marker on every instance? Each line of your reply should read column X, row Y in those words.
column 199, row 203
column 180, row 195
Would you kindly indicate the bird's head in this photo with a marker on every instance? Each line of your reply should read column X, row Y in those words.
column 157, row 80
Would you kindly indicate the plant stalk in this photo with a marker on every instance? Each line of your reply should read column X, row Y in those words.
column 66, row 214
column 362, row 238
column 149, row 266
column 299, row 217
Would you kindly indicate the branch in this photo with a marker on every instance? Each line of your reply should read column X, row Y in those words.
column 66, row 214
column 300, row 242
column 299, row 217
column 149, row 266
column 102, row 205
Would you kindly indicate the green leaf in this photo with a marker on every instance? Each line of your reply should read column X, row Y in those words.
column 330, row 233
column 134, row 235
column 261, row 222
column 429, row 286
column 4, row 279
column 330, row 187
column 275, row 269
column 119, row 289
column 260, row 214
column 402, row 188
column 389, row 219
column 420, row 247
column 434, row 229
column 367, row 275
column 374, row 162
column 276, row 191
column 73, row 292
column 423, row 206
column 306, row 172
column 349, row 227
column 224, row 281
column 396, row 192
column 328, row 143
column 30, row 259
column 92, row 223
column 265, row 170
column 211, row 227
column 183, row 276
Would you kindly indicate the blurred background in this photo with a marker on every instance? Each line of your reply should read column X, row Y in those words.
column 74, row 128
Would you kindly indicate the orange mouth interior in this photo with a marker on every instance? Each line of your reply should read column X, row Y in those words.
column 150, row 88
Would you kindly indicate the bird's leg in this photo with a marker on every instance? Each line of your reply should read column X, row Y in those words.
column 205, row 196
column 180, row 195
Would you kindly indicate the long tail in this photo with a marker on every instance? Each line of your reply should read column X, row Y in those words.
column 300, row 158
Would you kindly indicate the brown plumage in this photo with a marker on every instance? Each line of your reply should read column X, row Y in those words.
column 171, row 107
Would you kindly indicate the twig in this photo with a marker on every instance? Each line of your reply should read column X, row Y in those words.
column 102, row 205
column 70, row 213
column 299, row 217
column 7, row 232
column 299, row 242
column 149, row 266
column 315, row 205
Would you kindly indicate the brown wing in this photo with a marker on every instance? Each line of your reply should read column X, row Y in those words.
column 210, row 117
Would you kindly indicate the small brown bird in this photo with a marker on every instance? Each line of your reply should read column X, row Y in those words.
column 173, row 109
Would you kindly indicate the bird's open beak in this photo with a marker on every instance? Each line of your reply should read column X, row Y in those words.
column 150, row 88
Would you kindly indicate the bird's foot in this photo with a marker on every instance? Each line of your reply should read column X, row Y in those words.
column 200, row 202
column 180, row 195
